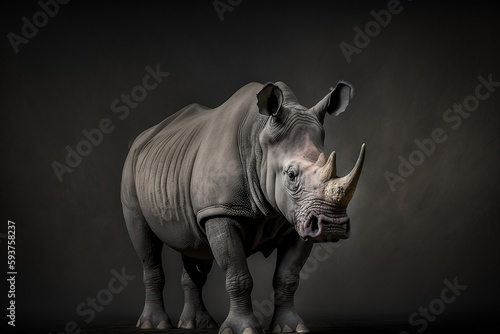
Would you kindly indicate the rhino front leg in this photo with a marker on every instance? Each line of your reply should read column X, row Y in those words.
column 292, row 255
column 227, row 246
column 194, row 276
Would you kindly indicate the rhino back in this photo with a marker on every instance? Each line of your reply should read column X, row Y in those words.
column 224, row 178
column 191, row 167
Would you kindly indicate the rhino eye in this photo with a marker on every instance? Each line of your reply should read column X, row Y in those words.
column 291, row 175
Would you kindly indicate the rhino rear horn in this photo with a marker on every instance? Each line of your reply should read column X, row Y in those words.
column 341, row 190
column 329, row 169
column 269, row 100
column 334, row 102
column 321, row 160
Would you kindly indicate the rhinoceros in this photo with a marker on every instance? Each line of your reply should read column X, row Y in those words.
column 248, row 176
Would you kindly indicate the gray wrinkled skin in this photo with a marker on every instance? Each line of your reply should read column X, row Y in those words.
column 248, row 176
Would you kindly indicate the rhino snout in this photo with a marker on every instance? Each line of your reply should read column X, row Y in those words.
column 325, row 228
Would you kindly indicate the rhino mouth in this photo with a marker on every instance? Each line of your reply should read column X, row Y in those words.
column 322, row 228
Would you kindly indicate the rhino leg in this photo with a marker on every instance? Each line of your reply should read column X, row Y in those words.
column 292, row 255
column 194, row 276
column 227, row 246
column 148, row 247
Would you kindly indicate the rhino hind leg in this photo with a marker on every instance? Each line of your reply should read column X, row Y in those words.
column 149, row 248
column 194, row 275
column 292, row 255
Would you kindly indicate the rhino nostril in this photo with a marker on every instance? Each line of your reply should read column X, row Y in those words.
column 314, row 225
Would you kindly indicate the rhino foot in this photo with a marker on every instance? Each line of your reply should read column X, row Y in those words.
column 196, row 320
column 154, row 317
column 238, row 324
column 287, row 321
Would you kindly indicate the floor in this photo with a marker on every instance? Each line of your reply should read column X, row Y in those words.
column 339, row 327
column 328, row 327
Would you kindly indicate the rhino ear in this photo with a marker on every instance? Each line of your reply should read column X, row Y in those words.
column 336, row 101
column 269, row 100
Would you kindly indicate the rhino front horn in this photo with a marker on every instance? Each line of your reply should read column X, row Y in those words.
column 341, row 190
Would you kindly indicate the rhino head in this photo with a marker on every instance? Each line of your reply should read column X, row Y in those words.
column 299, row 180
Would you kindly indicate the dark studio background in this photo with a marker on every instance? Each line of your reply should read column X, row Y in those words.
column 441, row 223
